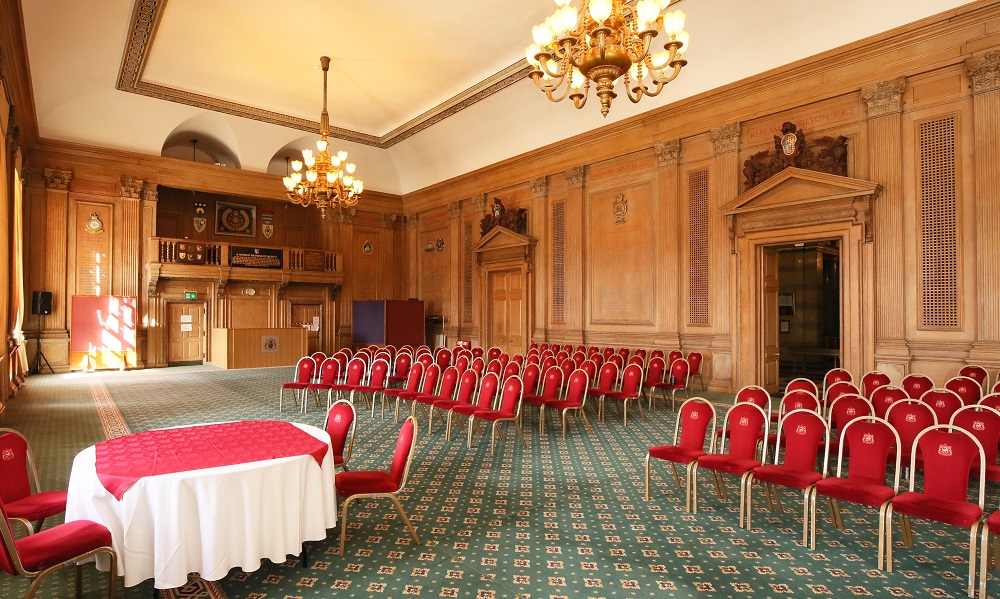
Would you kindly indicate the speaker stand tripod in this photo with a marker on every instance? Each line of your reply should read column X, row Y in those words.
column 36, row 368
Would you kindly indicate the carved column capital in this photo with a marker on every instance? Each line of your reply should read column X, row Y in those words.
column 389, row 220
column 574, row 177
column 345, row 216
column 412, row 220
column 884, row 98
column 667, row 153
column 455, row 209
column 130, row 188
column 540, row 188
column 479, row 202
column 56, row 179
column 985, row 72
column 726, row 138
column 150, row 195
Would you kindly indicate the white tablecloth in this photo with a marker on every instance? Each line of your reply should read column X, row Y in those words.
column 211, row 520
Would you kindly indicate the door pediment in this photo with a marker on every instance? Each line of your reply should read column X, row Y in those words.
column 503, row 244
column 796, row 197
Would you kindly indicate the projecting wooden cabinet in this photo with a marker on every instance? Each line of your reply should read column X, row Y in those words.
column 505, row 258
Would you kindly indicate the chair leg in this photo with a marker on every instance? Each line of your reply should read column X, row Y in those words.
column 79, row 580
column 647, row 477
column 520, row 434
column 688, row 481
column 694, row 489
column 747, row 494
column 677, row 479
column 642, row 414
column 586, row 421
column 809, row 507
column 882, row 511
column 343, row 522
column 402, row 513
column 720, row 487
column 888, row 538
column 973, row 533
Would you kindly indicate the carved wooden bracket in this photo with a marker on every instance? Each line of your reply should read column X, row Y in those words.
column 153, row 277
column 826, row 155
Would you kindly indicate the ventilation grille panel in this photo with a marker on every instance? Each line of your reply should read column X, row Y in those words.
column 938, row 225
column 698, row 298
column 559, row 262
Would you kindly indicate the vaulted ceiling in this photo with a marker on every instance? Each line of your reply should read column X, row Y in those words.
column 420, row 91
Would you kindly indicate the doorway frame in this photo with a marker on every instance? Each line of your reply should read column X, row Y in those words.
column 799, row 206
column 206, row 339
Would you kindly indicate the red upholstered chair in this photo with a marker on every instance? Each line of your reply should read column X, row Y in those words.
column 844, row 409
column 533, row 359
column 579, row 358
column 977, row 373
column 467, row 383
column 442, row 357
column 593, row 349
column 630, row 390
column 794, row 400
column 304, row 370
column 872, row 381
column 374, row 384
column 40, row 554
column 607, row 353
column 495, row 367
column 597, row 359
column 413, row 380
column 607, row 377
column 317, row 357
column 835, row 375
column 676, row 380
column 488, row 388
column 805, row 436
column 462, row 363
column 755, row 395
column 838, row 389
column 427, row 387
column 354, row 376
column 478, row 364
column 329, row 375
column 518, row 359
column 984, row 424
column 591, row 368
column 869, row 440
column 493, row 353
column 966, row 388
column 802, row 384
column 944, row 402
column 511, row 369
column 575, row 400
column 909, row 417
column 341, row 420
column 641, row 353
column 695, row 359
column 530, row 377
column 656, row 353
column 654, row 374
column 624, row 353
column 425, row 358
column 949, row 454
column 884, row 396
column 19, row 488
column 636, row 360
column 618, row 361
column 342, row 357
column 697, row 415
column 916, row 385
column 504, row 359
column 426, row 401
column 508, row 410
column 992, row 400
column 747, row 423
column 552, row 384
column 364, row 485
column 478, row 352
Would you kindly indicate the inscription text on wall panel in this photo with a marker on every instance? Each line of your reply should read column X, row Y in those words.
column 93, row 249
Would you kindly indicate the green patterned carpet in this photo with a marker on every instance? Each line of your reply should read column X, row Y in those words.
column 557, row 520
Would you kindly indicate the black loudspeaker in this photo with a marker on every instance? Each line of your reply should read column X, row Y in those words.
column 41, row 302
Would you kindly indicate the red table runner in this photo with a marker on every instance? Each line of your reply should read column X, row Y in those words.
column 124, row 460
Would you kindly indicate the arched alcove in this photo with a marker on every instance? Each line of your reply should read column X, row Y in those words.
column 216, row 142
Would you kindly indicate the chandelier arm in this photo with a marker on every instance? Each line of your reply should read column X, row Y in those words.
column 562, row 62
column 673, row 75
column 648, row 59
column 548, row 88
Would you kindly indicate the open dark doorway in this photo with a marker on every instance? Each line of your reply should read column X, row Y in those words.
column 808, row 310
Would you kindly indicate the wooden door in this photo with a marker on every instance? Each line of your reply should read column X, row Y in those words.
column 305, row 315
column 507, row 310
column 186, row 333
column 769, row 320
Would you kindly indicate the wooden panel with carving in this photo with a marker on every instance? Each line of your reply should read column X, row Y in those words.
column 368, row 249
column 621, row 296
column 435, row 280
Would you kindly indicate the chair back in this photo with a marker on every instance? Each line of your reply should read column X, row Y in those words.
column 493, row 353
column 530, row 378
column 608, row 377
column 403, row 361
column 304, row 370
column 467, row 387
column 802, row 384
column 641, row 353
column 552, row 382
column 607, row 353
column 803, row 434
column 592, row 350
column 579, row 358
column 548, row 362
column 694, row 362
column 944, row 402
column 478, row 352
column 909, row 417
column 576, row 388
column 838, row 389
column 846, row 408
column 624, row 353
column 916, row 385
column 966, row 388
column 449, row 381
column 403, row 456
column 597, row 359
column 462, row 363
column 992, row 400
column 341, row 420
column 590, row 367
column 679, row 373
column 567, row 366
column 755, row 395
column 872, row 381
column 836, row 375
column 478, row 364
column 631, row 379
column 487, row 391
column 416, row 375
column 504, row 359
column 977, row 373
column 511, row 369
column 357, row 368
column 869, row 441
column 561, row 356
column 747, row 424
column 329, row 371
column 342, row 357
column 510, row 397
column 518, row 359
column 884, row 396
column 378, row 376
column 674, row 356
column 984, row 424
column 431, row 375
column 696, row 418
column 17, row 468
column 656, row 353
column 654, row 373
column 318, row 357
column 799, row 400
column 443, row 357
column 426, row 359
column 949, row 454
column 636, row 360
column 533, row 359
column 617, row 360
column 495, row 367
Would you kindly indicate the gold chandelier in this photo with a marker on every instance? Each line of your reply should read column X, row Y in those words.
column 601, row 41
column 329, row 180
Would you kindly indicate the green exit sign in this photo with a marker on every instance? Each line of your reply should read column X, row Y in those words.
column 190, row 295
